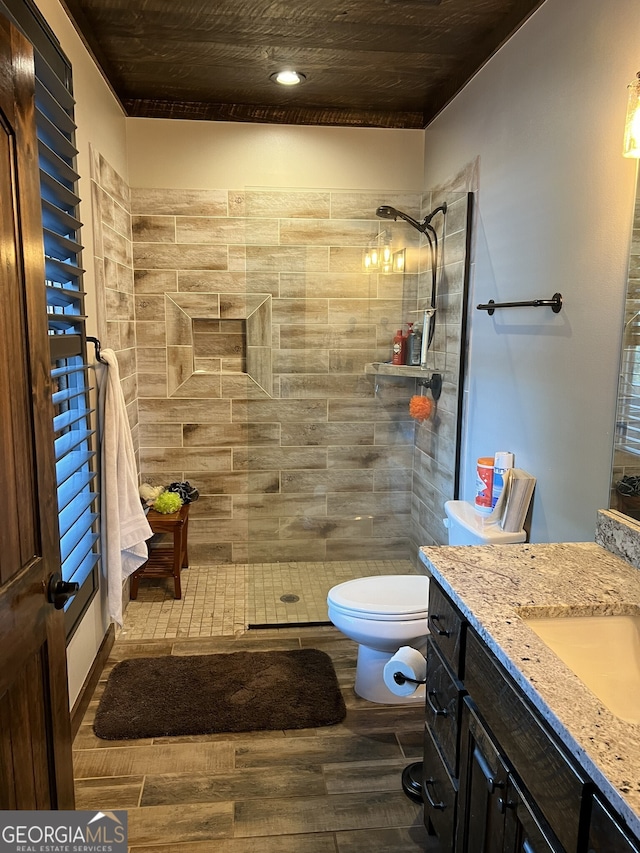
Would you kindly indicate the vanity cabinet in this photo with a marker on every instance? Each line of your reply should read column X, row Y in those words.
column 496, row 779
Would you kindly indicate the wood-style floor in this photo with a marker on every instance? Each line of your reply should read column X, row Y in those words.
column 327, row 790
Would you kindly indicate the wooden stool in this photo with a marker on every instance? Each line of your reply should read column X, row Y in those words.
column 166, row 562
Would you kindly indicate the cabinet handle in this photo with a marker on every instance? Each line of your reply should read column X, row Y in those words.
column 438, row 711
column 487, row 772
column 434, row 619
column 440, row 806
column 503, row 805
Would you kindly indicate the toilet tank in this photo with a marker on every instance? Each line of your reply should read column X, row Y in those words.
column 467, row 526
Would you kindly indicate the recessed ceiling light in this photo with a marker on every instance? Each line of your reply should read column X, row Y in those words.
column 288, row 78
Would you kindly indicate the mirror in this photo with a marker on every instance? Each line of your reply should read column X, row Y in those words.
column 625, row 480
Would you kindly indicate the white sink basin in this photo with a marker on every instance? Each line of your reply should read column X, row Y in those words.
column 602, row 650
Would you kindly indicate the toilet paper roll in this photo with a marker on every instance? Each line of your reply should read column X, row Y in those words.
column 411, row 663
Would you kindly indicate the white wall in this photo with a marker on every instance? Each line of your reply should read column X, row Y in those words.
column 554, row 208
column 100, row 122
column 228, row 155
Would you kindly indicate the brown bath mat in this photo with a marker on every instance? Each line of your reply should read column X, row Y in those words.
column 202, row 694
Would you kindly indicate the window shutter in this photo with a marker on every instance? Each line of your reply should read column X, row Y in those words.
column 75, row 457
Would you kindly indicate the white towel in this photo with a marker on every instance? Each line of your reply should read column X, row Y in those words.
column 124, row 525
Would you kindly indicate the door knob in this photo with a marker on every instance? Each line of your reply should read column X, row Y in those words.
column 59, row 591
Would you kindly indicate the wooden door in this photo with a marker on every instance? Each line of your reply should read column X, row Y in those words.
column 35, row 733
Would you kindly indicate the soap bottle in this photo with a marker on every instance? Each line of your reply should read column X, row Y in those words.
column 502, row 462
column 414, row 347
column 398, row 352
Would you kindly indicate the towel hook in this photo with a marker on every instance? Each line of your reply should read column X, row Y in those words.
column 96, row 343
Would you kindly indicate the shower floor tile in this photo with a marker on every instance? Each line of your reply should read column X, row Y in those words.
column 269, row 583
column 223, row 600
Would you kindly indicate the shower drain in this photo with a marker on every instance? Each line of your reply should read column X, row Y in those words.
column 289, row 598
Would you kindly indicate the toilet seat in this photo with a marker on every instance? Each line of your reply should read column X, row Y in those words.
column 386, row 598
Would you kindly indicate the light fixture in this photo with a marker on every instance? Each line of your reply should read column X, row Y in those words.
column 632, row 124
column 399, row 260
column 379, row 256
column 288, row 77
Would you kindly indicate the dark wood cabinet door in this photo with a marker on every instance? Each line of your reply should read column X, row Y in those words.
column 35, row 735
column 526, row 831
column 606, row 834
column 483, row 787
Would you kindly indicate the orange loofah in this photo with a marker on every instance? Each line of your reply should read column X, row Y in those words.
column 420, row 408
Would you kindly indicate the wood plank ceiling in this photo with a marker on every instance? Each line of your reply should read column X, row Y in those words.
column 368, row 63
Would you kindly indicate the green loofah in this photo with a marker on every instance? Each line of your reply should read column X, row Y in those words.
column 167, row 502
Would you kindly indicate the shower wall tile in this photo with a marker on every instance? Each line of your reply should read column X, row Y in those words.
column 301, row 361
column 271, row 203
column 327, row 434
column 319, row 285
column 332, row 385
column 212, row 506
column 152, row 359
column 184, row 256
column 160, row 435
column 348, row 361
column 151, row 334
column 336, row 336
column 332, row 232
column 198, row 229
column 155, row 281
column 395, row 432
column 211, row 281
column 238, row 483
column 289, row 411
column 231, row 435
column 325, row 528
column 324, row 482
column 398, row 480
column 156, row 459
column 277, row 506
column 322, row 455
column 114, row 280
column 152, row 384
column 317, row 453
column 287, row 259
column 369, row 504
column 176, row 202
column 255, row 459
column 303, row 311
column 368, row 549
column 149, row 307
column 346, row 458
column 176, row 411
column 154, row 229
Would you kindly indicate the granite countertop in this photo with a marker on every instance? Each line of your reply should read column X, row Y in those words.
column 489, row 583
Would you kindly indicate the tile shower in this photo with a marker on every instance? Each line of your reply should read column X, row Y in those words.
column 243, row 321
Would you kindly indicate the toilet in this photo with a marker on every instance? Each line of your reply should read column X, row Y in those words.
column 383, row 613
column 467, row 526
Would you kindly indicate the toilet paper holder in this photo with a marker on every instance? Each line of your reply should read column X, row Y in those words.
column 401, row 678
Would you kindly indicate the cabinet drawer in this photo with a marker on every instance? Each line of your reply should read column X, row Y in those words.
column 446, row 626
column 555, row 783
column 439, row 793
column 605, row 833
column 443, row 706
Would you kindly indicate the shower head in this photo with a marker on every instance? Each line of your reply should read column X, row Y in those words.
column 385, row 211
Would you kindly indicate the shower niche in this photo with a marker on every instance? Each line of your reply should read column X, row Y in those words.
column 219, row 345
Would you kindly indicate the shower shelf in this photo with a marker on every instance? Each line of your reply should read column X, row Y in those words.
column 382, row 367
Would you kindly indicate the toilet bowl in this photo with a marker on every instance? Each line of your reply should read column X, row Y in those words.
column 381, row 614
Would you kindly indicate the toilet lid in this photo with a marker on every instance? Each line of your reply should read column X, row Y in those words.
column 386, row 596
